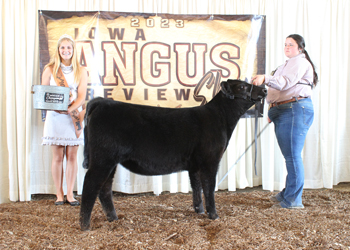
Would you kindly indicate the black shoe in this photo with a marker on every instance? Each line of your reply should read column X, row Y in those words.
column 74, row 203
column 59, row 203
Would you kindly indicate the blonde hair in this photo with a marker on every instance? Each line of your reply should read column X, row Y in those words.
column 56, row 60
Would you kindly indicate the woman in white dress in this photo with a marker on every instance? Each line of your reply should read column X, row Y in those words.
column 60, row 131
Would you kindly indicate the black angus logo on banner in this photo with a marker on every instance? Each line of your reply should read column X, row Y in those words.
column 159, row 59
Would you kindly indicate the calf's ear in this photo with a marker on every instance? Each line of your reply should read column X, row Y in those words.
column 223, row 85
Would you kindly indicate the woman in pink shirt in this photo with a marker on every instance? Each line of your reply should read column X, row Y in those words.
column 291, row 110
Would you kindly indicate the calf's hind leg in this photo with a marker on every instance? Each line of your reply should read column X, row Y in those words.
column 196, row 192
column 94, row 180
column 106, row 198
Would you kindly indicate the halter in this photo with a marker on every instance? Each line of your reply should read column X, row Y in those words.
column 245, row 95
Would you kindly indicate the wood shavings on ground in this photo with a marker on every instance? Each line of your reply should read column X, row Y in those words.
column 168, row 221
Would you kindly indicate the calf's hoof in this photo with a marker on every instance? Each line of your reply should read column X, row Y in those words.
column 213, row 216
column 112, row 218
column 84, row 224
column 85, row 227
column 199, row 210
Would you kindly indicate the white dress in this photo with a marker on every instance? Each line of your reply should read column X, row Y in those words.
column 59, row 128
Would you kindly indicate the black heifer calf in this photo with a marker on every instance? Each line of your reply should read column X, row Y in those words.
column 157, row 141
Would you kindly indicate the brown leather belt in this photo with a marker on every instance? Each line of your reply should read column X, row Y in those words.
column 284, row 102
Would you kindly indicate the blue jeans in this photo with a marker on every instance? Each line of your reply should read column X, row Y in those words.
column 292, row 122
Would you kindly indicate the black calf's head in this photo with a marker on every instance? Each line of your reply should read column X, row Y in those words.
column 240, row 89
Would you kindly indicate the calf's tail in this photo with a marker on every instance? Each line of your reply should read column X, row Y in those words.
column 89, row 108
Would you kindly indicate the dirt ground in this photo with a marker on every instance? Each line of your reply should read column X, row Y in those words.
column 168, row 221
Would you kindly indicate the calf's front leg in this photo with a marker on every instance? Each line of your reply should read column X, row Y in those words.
column 196, row 192
column 208, row 184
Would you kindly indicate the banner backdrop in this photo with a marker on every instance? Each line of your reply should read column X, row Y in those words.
column 158, row 59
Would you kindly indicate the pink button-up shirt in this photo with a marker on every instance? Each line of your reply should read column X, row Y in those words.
column 283, row 85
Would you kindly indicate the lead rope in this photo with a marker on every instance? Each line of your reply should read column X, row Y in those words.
column 223, row 178
column 257, row 106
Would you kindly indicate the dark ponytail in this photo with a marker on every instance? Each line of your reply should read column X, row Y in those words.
column 301, row 45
